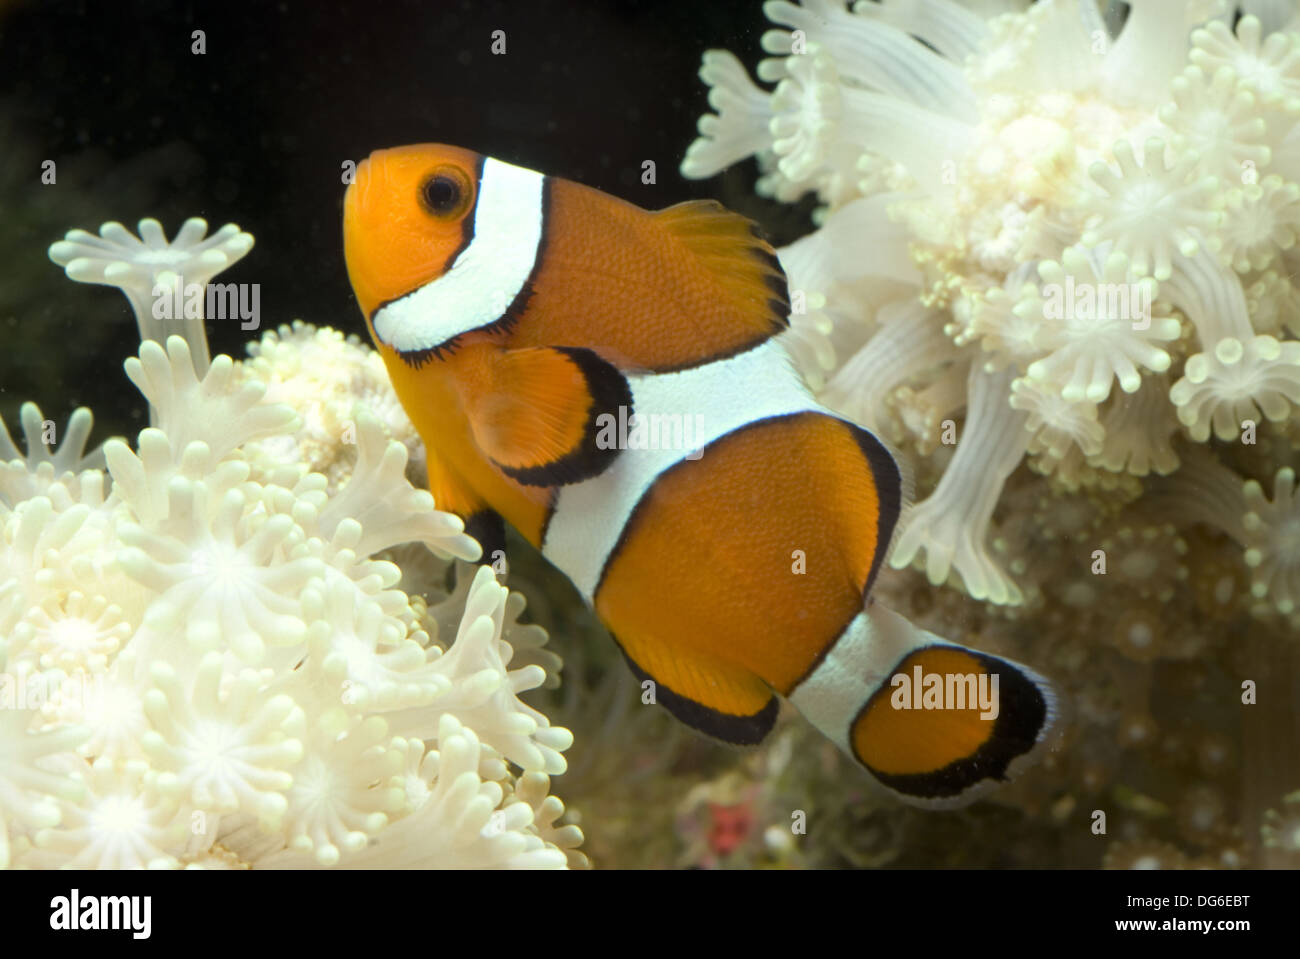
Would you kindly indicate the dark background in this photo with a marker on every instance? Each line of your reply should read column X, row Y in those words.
column 256, row 130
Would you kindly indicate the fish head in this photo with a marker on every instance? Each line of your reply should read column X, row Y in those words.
column 406, row 217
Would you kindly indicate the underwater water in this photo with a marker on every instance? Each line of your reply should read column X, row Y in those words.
column 1045, row 253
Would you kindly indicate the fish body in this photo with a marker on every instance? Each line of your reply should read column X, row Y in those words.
column 608, row 380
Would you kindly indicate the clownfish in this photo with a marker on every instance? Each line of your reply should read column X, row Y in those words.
column 526, row 320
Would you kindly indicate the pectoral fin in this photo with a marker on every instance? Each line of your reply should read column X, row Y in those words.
column 536, row 412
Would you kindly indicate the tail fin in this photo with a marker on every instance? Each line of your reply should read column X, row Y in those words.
column 935, row 723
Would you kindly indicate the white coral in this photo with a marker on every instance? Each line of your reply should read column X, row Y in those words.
column 739, row 128
column 1268, row 66
column 1138, row 429
column 1215, row 118
column 1153, row 208
column 993, row 256
column 323, row 375
column 979, row 139
column 70, row 456
column 334, row 806
column 1272, row 532
column 367, row 656
column 234, row 414
column 456, row 815
column 122, row 822
column 223, row 750
column 142, row 267
column 1055, row 424
column 1261, row 220
column 1099, row 325
column 951, row 525
column 910, row 342
column 808, row 106
column 489, row 703
column 1235, row 383
column 76, row 632
column 1273, row 303
column 380, row 497
column 114, row 713
column 30, row 792
column 1008, row 323
column 224, row 576
column 200, row 662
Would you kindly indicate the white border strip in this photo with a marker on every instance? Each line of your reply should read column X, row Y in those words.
column 488, row 274
column 589, row 516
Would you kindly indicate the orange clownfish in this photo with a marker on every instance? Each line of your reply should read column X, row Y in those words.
column 730, row 540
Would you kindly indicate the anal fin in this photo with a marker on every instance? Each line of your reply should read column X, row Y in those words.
column 489, row 530
column 721, row 700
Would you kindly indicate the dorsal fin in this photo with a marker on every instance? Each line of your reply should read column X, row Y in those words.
column 733, row 250
column 652, row 291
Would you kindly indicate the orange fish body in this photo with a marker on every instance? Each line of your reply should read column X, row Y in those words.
column 608, row 381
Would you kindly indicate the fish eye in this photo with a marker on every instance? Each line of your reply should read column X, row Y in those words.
column 445, row 193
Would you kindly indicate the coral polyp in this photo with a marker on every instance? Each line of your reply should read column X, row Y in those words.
column 1053, row 263
column 207, row 660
